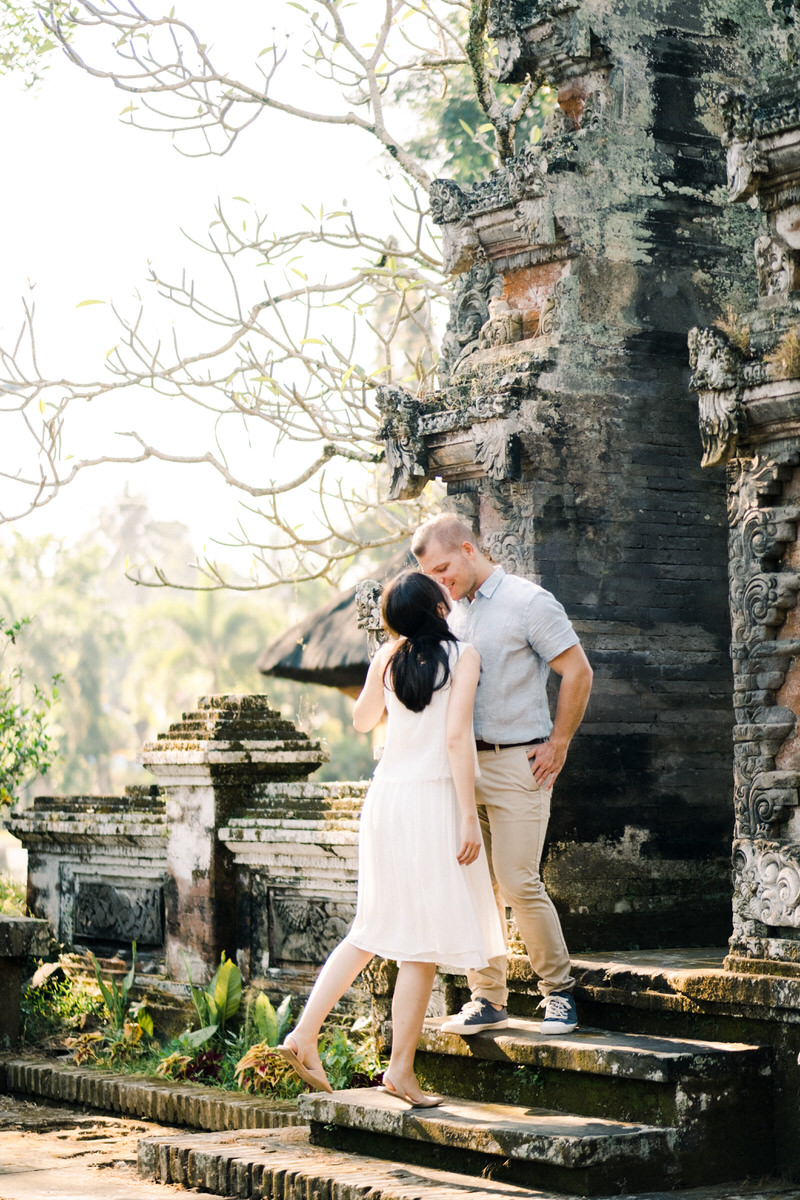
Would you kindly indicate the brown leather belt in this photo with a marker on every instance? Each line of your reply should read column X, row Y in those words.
column 481, row 745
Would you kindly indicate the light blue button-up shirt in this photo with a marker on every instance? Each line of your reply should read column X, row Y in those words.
column 517, row 628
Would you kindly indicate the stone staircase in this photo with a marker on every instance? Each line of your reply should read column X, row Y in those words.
column 591, row 1113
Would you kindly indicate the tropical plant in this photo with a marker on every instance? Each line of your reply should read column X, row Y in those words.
column 54, row 1005
column 25, row 744
column 215, row 1004
column 117, row 999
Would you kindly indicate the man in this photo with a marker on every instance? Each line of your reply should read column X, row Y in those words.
column 520, row 631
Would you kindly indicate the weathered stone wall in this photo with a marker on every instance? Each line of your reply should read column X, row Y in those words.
column 97, row 867
column 565, row 432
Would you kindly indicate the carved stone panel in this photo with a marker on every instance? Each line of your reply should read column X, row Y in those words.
column 116, row 913
column 304, row 930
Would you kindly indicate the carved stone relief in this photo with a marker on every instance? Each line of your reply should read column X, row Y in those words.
column 120, row 914
column 745, row 162
column 767, row 883
column 368, row 612
column 406, row 455
column 304, row 930
column 776, row 266
column 716, row 377
column 548, row 36
column 503, row 327
column 469, row 312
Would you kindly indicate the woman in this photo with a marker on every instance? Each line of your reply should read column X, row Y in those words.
column 424, row 892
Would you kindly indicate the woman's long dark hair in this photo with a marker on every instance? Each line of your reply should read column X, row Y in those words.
column 420, row 665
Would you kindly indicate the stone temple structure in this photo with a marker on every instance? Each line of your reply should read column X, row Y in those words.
column 747, row 375
column 565, row 430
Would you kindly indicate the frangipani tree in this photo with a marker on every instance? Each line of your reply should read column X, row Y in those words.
column 269, row 372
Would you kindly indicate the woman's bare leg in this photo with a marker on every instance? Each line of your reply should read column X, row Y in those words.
column 341, row 968
column 409, row 1005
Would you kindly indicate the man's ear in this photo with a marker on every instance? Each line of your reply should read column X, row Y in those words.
column 468, row 549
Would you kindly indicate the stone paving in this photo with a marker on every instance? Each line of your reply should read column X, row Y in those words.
column 56, row 1152
column 60, row 1153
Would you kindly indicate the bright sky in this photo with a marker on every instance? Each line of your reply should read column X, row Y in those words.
column 88, row 200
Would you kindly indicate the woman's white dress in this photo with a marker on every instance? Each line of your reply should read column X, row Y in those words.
column 415, row 902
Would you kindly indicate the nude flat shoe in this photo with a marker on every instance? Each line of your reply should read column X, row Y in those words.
column 315, row 1077
column 430, row 1101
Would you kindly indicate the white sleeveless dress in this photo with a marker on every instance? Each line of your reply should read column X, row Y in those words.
column 415, row 902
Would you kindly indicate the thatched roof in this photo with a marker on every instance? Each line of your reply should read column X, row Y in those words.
column 327, row 647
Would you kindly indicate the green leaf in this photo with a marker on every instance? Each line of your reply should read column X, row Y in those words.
column 266, row 1019
column 228, row 992
column 83, row 303
column 199, row 1037
column 466, row 127
column 284, row 1017
column 145, row 1019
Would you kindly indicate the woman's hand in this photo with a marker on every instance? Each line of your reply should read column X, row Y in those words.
column 471, row 841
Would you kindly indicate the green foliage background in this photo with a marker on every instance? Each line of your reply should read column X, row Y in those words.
column 132, row 659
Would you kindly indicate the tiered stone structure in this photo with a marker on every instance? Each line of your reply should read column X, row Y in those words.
column 562, row 430
column 747, row 375
column 97, row 867
column 208, row 765
column 235, row 850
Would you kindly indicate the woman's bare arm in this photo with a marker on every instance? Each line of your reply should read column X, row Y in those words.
column 369, row 706
column 461, row 750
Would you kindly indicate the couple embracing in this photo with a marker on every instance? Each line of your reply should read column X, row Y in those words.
column 443, row 846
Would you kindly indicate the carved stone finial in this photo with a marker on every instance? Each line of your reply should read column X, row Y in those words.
column 368, row 608
column 459, row 238
column 716, row 377
column 406, row 455
column 504, row 325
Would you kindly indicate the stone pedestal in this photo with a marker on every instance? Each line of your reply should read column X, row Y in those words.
column 209, row 765
column 20, row 937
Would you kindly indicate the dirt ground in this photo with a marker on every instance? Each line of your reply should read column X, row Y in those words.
column 49, row 1153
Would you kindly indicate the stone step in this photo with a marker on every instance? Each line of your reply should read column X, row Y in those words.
column 599, row 1051
column 526, row 1146
column 712, row 1094
column 253, row 1164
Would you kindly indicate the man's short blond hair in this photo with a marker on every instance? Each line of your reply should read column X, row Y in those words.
column 448, row 530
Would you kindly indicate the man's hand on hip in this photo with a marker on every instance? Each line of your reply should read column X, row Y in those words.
column 546, row 761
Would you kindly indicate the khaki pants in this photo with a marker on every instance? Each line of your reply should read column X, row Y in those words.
column 514, row 812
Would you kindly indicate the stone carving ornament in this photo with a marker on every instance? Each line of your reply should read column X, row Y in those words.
column 120, row 914
column 776, row 266
column 459, row 238
column 469, row 312
column 716, row 377
column 767, row 882
column 563, row 36
column 503, row 327
column 744, row 161
column 368, row 610
column 405, row 451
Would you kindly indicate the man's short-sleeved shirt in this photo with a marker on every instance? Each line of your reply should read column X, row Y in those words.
column 517, row 628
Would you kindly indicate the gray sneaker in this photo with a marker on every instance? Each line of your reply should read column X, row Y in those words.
column 475, row 1017
column 560, row 1014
